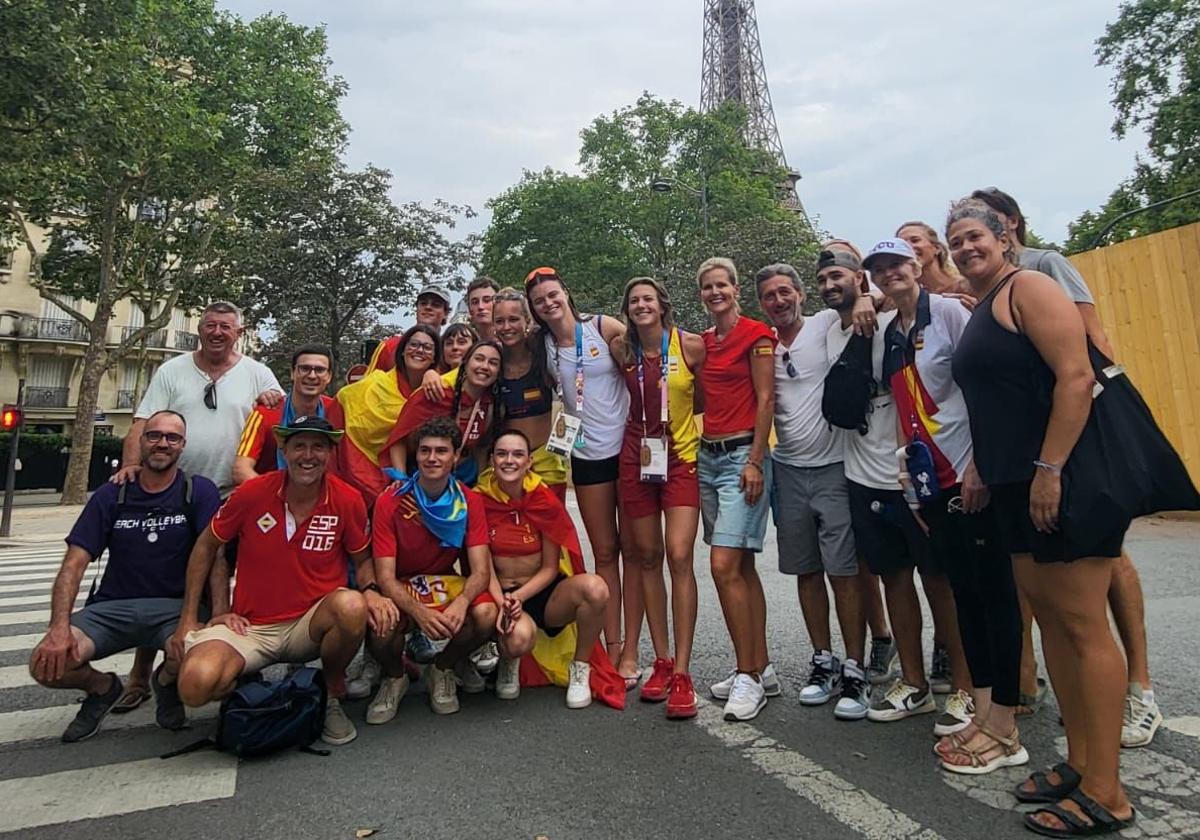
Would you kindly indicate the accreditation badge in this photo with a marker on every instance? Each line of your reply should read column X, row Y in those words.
column 565, row 434
column 654, row 460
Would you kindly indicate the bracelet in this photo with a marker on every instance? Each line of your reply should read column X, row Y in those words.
column 1053, row 469
column 757, row 466
column 371, row 587
column 904, row 476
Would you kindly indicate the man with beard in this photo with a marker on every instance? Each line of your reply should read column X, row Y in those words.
column 148, row 527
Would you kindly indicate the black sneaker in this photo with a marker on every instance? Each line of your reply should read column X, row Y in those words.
column 168, row 707
column 92, row 711
column 883, row 661
column 939, row 674
column 855, row 701
column 420, row 648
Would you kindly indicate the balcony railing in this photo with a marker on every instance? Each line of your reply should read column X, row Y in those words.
column 53, row 329
column 158, row 338
column 186, row 340
column 41, row 397
column 125, row 399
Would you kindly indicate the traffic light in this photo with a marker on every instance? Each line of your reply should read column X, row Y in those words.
column 10, row 418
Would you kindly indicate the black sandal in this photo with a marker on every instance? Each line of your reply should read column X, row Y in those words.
column 1044, row 791
column 1102, row 820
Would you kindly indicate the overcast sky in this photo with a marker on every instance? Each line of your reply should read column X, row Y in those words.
column 888, row 110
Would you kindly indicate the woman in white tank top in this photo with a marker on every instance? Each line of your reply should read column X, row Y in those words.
column 596, row 403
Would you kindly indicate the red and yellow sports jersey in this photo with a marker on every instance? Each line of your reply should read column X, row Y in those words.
column 278, row 579
column 258, row 441
column 399, row 532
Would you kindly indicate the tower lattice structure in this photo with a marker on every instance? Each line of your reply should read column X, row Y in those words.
column 732, row 69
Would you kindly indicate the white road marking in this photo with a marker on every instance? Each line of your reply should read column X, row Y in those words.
column 839, row 798
column 46, row 577
column 24, row 641
column 43, row 585
column 1184, row 725
column 25, row 617
column 47, row 566
column 113, row 789
column 17, row 676
column 34, row 600
column 49, row 723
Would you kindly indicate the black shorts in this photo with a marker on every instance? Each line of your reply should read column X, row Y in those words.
column 887, row 535
column 1018, row 535
column 957, row 537
column 584, row 472
column 535, row 607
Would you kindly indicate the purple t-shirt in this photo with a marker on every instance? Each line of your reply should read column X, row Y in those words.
column 147, row 537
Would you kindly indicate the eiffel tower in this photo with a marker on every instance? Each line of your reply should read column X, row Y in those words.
column 732, row 68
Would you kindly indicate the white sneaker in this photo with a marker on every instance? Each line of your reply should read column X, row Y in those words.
column 747, row 698
column 957, row 716
column 443, row 689
column 365, row 681
column 1141, row 720
column 579, row 688
column 901, row 700
column 508, row 679
column 824, row 679
column 770, row 684
column 339, row 729
column 387, row 700
column 856, row 694
column 486, row 658
column 469, row 678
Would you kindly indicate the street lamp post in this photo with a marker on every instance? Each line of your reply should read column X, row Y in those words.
column 666, row 185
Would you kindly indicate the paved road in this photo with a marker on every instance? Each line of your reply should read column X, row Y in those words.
column 533, row 769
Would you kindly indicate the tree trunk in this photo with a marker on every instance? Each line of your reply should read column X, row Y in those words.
column 79, row 465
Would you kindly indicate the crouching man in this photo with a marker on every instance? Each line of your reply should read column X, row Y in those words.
column 421, row 528
column 295, row 527
column 148, row 527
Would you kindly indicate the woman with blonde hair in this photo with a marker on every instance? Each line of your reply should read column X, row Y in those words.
column 938, row 274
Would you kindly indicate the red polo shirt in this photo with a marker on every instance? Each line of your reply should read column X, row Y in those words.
column 279, row 579
column 258, row 439
column 399, row 532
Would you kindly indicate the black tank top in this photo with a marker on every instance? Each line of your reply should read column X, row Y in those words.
column 1008, row 390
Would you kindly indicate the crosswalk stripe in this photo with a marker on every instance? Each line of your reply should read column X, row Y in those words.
column 113, row 789
column 49, row 565
column 49, row 723
column 8, row 619
column 23, row 641
column 10, row 560
column 40, row 585
column 34, row 600
column 17, row 676
column 47, row 576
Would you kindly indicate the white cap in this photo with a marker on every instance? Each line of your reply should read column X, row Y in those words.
column 896, row 247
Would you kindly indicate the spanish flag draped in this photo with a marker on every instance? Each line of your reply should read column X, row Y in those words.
column 420, row 408
column 371, row 406
column 548, row 663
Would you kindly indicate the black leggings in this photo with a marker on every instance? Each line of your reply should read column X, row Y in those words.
column 970, row 551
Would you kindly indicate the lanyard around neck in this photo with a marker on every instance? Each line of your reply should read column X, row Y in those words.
column 662, row 382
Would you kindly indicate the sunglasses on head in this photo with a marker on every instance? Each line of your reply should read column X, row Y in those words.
column 544, row 273
column 210, row 396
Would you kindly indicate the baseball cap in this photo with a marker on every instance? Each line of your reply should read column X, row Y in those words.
column 895, row 247
column 845, row 259
column 437, row 291
column 308, row 423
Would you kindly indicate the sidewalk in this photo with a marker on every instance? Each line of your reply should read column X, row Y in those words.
column 41, row 524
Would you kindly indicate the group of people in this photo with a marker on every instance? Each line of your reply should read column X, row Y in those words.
column 962, row 365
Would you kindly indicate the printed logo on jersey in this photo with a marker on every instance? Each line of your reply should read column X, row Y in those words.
column 266, row 522
column 322, row 533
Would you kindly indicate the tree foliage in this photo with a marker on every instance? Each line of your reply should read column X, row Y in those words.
column 329, row 252
column 129, row 128
column 606, row 225
column 1153, row 48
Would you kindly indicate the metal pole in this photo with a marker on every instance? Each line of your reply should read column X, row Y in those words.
column 10, row 476
column 1108, row 227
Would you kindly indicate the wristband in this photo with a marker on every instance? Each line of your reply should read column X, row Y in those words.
column 371, row 587
column 395, row 474
column 757, row 466
column 1053, row 469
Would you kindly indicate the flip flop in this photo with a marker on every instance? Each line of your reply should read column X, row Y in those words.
column 631, row 682
column 134, row 696
column 1102, row 820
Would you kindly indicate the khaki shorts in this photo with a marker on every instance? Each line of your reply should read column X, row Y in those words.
column 265, row 644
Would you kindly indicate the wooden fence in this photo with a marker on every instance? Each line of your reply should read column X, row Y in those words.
column 1146, row 294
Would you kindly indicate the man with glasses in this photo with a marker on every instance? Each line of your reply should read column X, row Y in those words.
column 148, row 527
column 312, row 371
column 810, row 497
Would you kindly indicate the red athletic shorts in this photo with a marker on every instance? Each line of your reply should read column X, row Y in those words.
column 645, row 498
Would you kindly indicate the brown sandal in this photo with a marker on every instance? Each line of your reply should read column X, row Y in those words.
column 134, row 696
column 1011, row 754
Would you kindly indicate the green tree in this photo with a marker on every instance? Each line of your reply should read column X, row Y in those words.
column 1154, row 49
column 161, row 112
column 330, row 252
column 606, row 225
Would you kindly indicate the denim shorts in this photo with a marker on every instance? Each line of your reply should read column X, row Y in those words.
column 728, row 521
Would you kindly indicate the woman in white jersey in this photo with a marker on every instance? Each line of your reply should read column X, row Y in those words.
column 590, row 426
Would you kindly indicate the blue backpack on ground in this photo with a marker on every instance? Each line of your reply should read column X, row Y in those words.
column 262, row 717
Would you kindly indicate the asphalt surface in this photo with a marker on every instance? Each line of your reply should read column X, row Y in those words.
column 531, row 768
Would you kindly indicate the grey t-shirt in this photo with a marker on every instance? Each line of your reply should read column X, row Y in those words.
column 212, row 435
column 1060, row 268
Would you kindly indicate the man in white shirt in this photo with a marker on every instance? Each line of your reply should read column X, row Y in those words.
column 810, row 499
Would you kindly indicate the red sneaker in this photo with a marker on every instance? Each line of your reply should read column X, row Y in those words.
column 681, row 703
column 654, row 690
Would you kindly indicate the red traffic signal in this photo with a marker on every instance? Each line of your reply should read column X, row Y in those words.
column 10, row 418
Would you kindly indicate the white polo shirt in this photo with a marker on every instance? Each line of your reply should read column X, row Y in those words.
column 804, row 436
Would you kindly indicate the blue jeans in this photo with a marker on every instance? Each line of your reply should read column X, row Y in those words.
column 728, row 521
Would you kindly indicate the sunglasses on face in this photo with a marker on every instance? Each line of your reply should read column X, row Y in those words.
column 788, row 366
column 172, row 438
column 210, row 396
